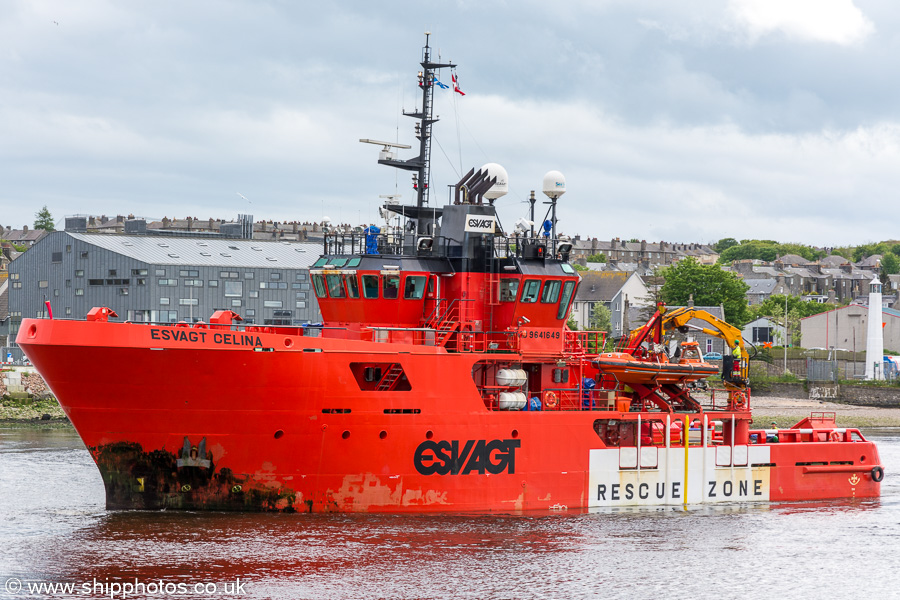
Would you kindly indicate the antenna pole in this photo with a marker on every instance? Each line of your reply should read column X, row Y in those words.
column 421, row 164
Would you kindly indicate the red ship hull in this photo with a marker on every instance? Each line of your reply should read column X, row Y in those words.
column 225, row 420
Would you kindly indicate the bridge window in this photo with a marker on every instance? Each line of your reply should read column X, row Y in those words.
column 568, row 288
column 335, row 286
column 414, row 288
column 551, row 292
column 319, row 285
column 370, row 286
column 530, row 290
column 391, row 286
column 509, row 289
column 352, row 285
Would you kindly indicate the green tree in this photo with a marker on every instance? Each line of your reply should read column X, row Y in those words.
column 890, row 263
column 773, row 306
column 709, row 285
column 725, row 243
column 601, row 317
column 44, row 220
column 597, row 258
column 578, row 267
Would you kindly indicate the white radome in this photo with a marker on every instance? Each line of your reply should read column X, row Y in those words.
column 501, row 188
column 554, row 184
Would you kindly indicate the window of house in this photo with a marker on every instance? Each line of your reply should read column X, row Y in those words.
column 274, row 276
column 249, row 275
column 236, row 302
column 79, row 273
column 253, row 294
column 79, row 291
column 84, row 254
column 139, row 271
column 43, row 284
column 234, row 289
column 188, row 301
column 300, row 304
column 164, row 301
column 56, row 257
column 273, row 303
column 188, row 273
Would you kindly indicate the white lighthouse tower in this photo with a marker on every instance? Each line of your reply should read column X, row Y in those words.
column 874, row 333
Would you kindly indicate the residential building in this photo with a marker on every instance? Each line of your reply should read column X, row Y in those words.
column 22, row 237
column 764, row 330
column 163, row 279
column 845, row 329
column 596, row 287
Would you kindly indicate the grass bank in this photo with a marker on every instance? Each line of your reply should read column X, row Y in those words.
column 27, row 410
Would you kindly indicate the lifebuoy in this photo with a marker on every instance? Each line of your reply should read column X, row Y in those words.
column 739, row 399
column 835, row 436
column 550, row 399
column 201, row 325
column 612, row 435
column 877, row 474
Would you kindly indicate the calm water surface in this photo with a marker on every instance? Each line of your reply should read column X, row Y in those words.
column 54, row 529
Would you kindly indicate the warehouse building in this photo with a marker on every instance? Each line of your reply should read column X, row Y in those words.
column 162, row 279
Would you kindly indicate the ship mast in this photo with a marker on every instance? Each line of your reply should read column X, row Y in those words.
column 421, row 164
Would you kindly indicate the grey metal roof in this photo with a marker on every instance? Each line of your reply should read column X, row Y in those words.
column 760, row 286
column 161, row 250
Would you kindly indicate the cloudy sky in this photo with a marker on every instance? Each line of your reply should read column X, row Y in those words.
column 681, row 121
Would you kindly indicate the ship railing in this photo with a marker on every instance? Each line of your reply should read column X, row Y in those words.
column 806, row 435
column 402, row 243
column 589, row 343
column 719, row 399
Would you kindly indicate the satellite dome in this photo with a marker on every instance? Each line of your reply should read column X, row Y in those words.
column 500, row 188
column 554, row 184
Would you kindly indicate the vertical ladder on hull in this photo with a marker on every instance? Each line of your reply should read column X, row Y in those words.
column 493, row 285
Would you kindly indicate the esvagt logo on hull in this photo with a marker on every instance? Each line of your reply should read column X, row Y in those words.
column 476, row 456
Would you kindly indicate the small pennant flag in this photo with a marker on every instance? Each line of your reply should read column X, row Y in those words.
column 456, row 85
column 443, row 86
